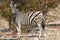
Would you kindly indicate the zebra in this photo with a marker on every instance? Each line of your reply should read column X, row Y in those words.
column 28, row 19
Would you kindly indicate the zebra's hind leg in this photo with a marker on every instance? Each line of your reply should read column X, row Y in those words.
column 43, row 34
column 41, row 31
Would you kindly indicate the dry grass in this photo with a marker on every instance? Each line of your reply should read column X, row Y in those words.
column 52, row 33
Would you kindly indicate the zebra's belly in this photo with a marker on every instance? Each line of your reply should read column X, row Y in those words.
column 24, row 24
column 29, row 28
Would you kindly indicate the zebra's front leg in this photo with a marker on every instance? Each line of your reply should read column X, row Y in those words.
column 19, row 30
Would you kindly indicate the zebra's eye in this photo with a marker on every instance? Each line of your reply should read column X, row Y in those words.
column 28, row 30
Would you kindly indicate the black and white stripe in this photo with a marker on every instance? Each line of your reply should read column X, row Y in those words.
column 29, row 18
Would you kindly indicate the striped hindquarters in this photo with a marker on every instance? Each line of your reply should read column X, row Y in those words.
column 32, row 17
